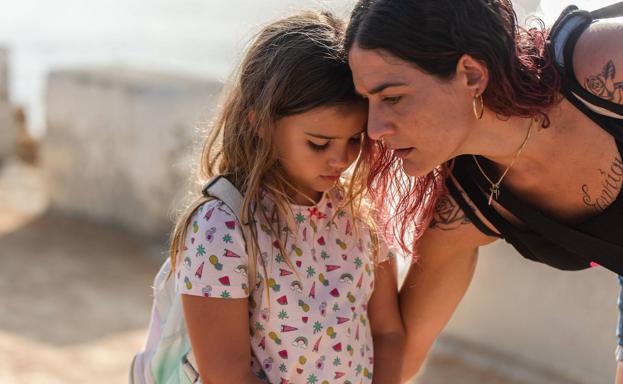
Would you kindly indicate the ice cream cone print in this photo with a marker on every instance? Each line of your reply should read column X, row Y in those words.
column 288, row 328
column 317, row 344
column 208, row 214
column 199, row 271
column 312, row 291
column 229, row 253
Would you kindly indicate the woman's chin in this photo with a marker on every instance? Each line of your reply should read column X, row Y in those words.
column 412, row 169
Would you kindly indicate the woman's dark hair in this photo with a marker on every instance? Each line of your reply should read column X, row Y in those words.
column 433, row 35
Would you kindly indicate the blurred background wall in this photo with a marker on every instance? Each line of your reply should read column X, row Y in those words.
column 114, row 92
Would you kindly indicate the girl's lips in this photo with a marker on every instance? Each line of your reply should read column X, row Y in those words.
column 331, row 178
column 403, row 152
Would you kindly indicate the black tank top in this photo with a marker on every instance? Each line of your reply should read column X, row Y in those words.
column 598, row 239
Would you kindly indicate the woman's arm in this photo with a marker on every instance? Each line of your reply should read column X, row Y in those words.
column 598, row 60
column 219, row 334
column 436, row 282
column 386, row 324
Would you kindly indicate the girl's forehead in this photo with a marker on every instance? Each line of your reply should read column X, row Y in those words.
column 341, row 121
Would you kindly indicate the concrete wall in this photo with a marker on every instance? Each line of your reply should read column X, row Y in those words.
column 557, row 321
column 118, row 143
column 8, row 131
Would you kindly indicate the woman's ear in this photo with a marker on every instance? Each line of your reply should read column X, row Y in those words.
column 473, row 74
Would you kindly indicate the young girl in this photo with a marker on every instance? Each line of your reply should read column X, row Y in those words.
column 303, row 310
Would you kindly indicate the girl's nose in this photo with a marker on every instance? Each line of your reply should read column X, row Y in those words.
column 339, row 159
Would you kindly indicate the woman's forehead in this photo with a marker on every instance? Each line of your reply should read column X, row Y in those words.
column 374, row 69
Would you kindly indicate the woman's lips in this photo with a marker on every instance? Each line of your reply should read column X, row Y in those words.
column 402, row 152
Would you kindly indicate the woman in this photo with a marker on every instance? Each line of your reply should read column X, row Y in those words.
column 504, row 134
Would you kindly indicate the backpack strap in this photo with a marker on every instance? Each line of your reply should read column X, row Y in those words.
column 222, row 189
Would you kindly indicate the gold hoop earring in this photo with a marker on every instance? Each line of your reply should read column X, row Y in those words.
column 478, row 105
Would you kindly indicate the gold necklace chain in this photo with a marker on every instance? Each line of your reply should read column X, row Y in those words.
column 495, row 187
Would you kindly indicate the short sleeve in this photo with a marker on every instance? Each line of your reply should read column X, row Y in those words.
column 386, row 252
column 214, row 261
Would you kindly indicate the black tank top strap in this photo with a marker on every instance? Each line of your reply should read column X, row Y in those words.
column 579, row 21
column 467, row 209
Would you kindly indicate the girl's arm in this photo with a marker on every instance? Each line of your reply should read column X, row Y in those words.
column 219, row 334
column 386, row 324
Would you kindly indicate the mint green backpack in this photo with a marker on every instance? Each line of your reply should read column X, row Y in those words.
column 167, row 356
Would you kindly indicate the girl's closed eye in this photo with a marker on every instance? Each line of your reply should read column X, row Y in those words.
column 318, row 147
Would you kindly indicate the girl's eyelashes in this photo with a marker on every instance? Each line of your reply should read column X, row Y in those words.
column 392, row 99
column 317, row 147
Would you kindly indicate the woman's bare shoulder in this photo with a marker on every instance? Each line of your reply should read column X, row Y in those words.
column 598, row 59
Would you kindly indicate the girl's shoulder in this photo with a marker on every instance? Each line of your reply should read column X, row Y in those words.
column 214, row 220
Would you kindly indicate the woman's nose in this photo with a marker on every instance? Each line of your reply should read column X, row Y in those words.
column 378, row 125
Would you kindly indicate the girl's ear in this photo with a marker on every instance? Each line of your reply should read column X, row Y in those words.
column 473, row 74
column 251, row 117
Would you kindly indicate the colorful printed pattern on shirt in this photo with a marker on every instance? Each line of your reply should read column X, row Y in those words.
column 311, row 324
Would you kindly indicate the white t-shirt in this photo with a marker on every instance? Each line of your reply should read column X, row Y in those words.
column 316, row 328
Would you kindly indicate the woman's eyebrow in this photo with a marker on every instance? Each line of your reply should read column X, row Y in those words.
column 382, row 87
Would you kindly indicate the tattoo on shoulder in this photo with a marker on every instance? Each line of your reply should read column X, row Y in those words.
column 610, row 187
column 448, row 215
column 604, row 86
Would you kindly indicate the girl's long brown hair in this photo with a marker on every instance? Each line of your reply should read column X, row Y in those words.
column 292, row 66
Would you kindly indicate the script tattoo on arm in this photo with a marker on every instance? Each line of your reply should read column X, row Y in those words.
column 604, row 86
column 610, row 186
column 448, row 215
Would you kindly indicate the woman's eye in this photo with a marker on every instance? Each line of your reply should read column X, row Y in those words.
column 392, row 99
column 317, row 147
column 355, row 140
